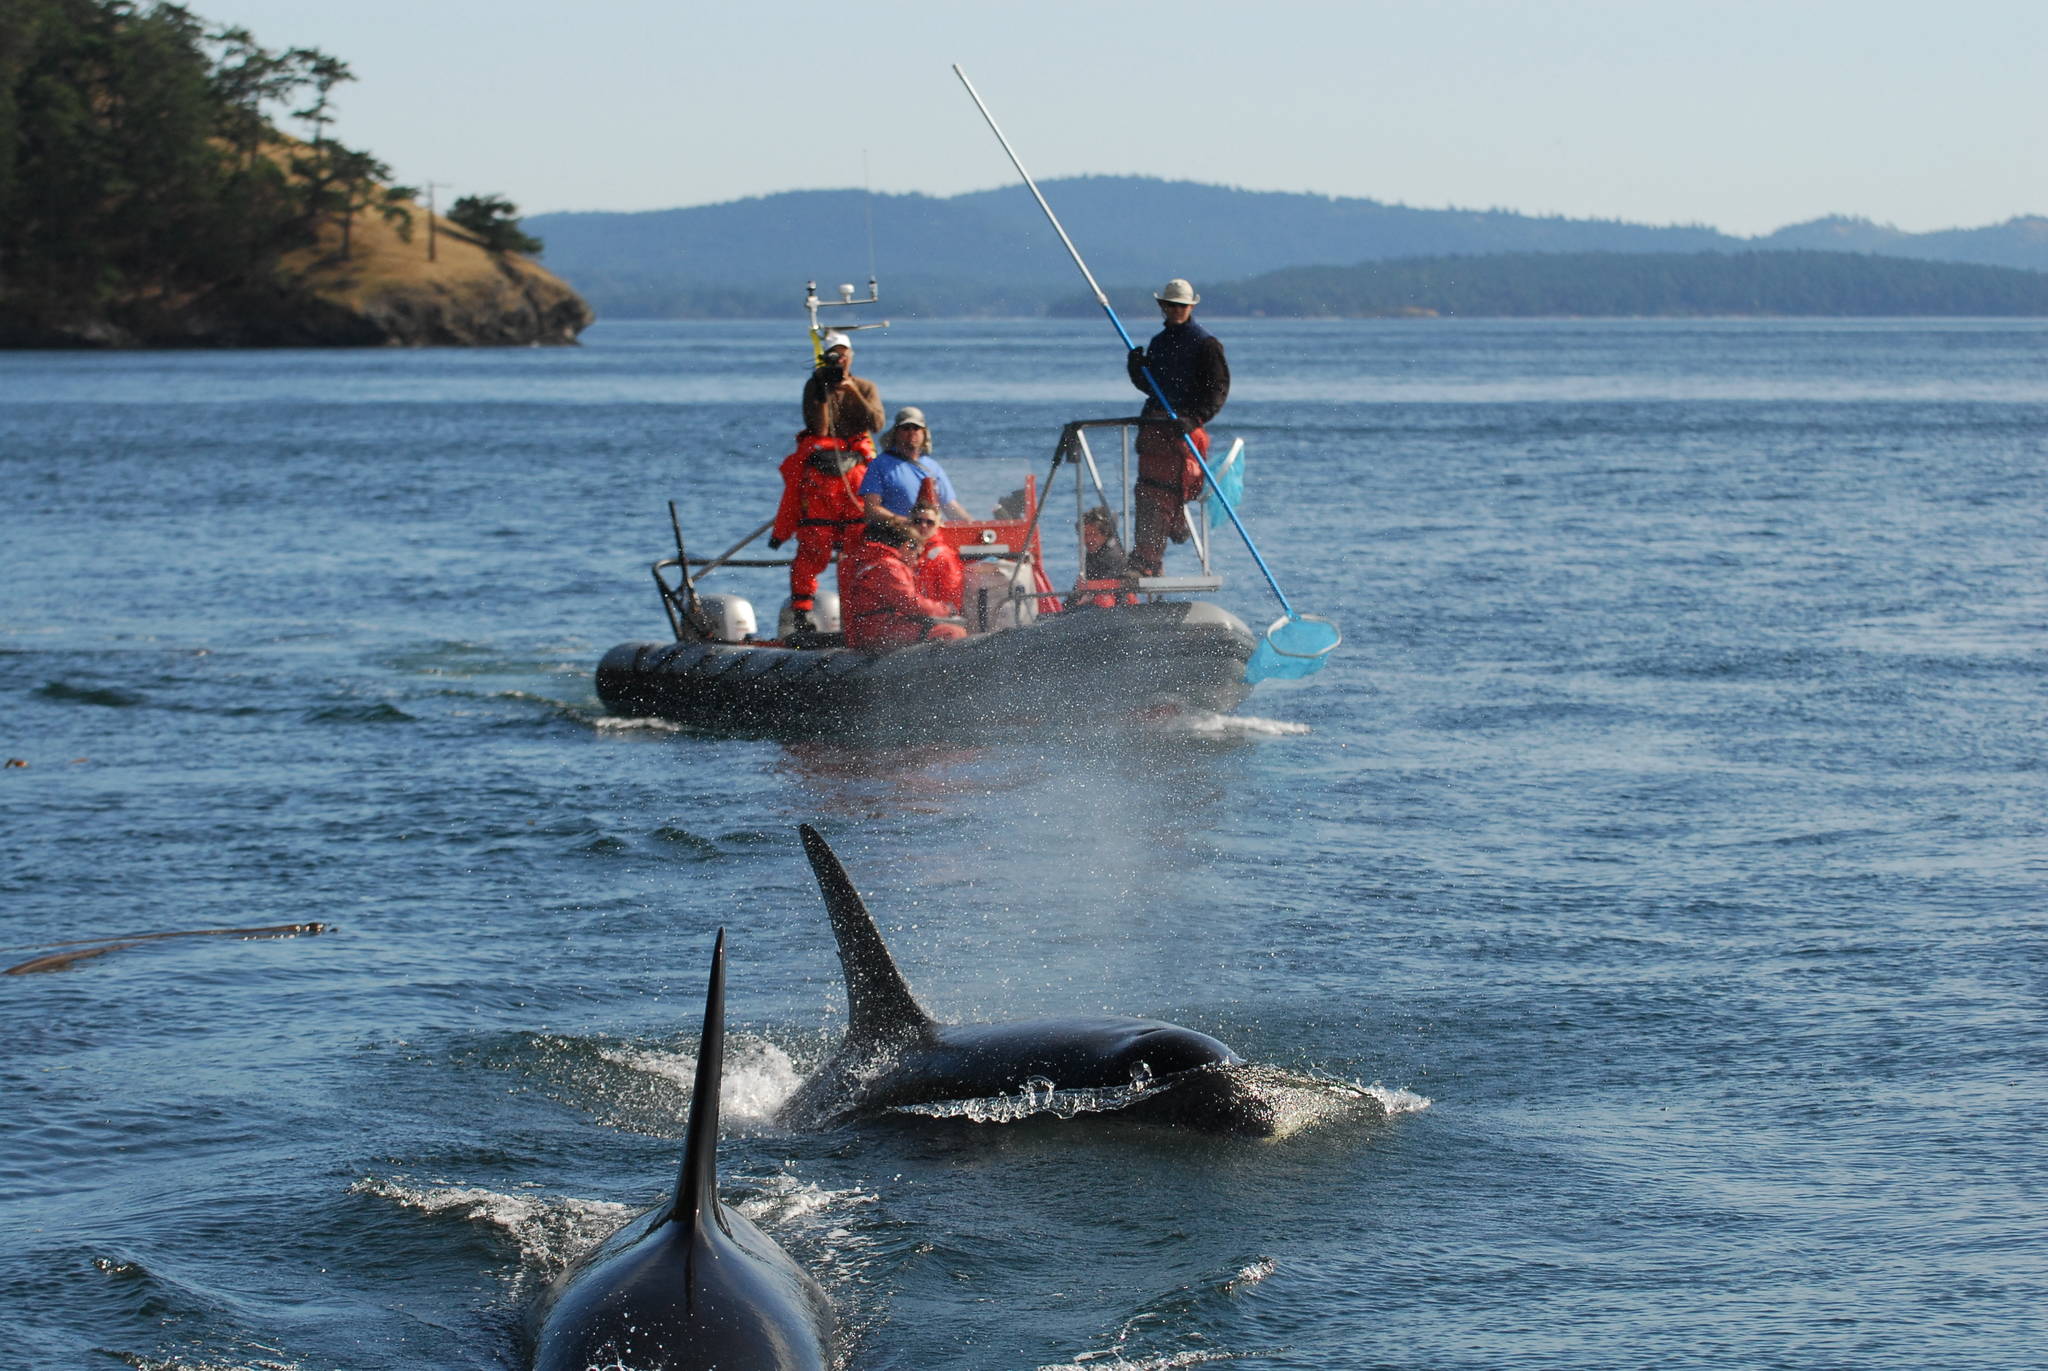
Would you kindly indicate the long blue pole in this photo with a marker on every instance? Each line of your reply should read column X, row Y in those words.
column 1129, row 346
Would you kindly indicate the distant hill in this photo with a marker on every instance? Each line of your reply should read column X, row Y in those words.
column 2020, row 242
column 1628, row 284
column 991, row 253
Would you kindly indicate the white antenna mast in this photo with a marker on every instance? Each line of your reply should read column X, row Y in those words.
column 812, row 304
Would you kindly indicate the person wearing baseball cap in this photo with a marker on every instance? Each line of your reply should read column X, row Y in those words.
column 838, row 404
column 1188, row 363
column 894, row 478
column 821, row 505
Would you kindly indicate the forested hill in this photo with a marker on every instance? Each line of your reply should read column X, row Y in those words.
column 990, row 252
column 147, row 198
column 1626, row 284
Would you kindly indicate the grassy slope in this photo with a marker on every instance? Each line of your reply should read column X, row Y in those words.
column 465, row 294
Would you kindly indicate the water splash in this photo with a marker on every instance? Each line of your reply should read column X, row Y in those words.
column 1112, row 1359
column 177, row 1363
column 759, row 1076
column 818, row 1227
column 1298, row 1100
column 1250, row 1274
column 1398, row 1101
column 783, row 1200
column 614, row 723
column 1201, row 723
column 553, row 1232
column 1174, row 1316
column 549, row 1231
column 1304, row 1100
column 1041, row 1096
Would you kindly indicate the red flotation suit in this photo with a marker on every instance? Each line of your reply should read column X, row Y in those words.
column 821, row 506
column 1168, row 477
column 880, row 607
column 940, row 574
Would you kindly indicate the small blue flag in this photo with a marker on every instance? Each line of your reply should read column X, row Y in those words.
column 1229, row 485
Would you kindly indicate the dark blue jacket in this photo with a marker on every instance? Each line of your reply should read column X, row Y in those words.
column 1187, row 360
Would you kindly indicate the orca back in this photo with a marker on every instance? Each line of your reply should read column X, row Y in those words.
column 896, row 1056
column 690, row 1285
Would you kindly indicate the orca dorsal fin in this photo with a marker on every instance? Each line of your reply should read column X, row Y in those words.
column 697, row 1183
column 879, row 1005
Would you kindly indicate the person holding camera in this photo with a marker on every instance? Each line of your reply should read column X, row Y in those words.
column 837, row 403
column 821, row 505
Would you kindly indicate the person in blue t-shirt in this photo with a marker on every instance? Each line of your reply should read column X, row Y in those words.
column 895, row 477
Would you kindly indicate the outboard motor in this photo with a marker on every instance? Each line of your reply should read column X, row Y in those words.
column 998, row 592
column 824, row 614
column 731, row 618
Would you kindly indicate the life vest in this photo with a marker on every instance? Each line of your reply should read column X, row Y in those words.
column 940, row 574
column 822, row 493
column 881, row 607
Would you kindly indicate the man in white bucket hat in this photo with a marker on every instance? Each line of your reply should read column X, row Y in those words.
column 1188, row 363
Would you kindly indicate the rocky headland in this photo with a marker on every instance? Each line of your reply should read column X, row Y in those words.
column 382, row 291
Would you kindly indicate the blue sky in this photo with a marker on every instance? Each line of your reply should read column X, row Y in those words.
column 1745, row 116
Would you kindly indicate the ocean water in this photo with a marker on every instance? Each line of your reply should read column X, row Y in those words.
column 1645, row 907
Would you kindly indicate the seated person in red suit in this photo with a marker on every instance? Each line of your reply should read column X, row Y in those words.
column 880, row 606
column 939, row 572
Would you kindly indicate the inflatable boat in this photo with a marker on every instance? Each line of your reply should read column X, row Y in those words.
column 1107, row 652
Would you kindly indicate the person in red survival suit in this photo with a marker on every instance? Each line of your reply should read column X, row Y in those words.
column 820, row 508
column 939, row 574
column 880, row 605
column 821, row 504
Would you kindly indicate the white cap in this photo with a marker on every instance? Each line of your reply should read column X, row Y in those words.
column 1177, row 292
column 911, row 415
column 836, row 339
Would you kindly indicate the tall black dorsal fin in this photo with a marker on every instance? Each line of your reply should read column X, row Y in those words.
column 879, row 1006
column 697, row 1184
